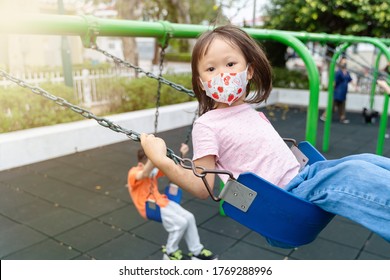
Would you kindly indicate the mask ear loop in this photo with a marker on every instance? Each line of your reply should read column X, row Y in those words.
column 201, row 84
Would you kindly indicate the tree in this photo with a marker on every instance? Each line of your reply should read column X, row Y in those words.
column 347, row 17
column 129, row 9
column 352, row 17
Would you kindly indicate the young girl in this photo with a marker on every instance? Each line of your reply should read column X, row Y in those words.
column 230, row 135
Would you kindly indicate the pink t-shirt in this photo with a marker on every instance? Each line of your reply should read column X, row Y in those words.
column 243, row 140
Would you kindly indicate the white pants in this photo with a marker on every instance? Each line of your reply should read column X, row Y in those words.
column 179, row 222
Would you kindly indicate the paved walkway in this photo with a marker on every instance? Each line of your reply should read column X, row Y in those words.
column 77, row 207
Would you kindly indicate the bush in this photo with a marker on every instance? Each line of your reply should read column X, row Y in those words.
column 178, row 57
column 141, row 93
column 285, row 78
column 21, row 109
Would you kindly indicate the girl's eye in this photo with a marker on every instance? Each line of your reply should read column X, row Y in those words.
column 210, row 69
column 230, row 64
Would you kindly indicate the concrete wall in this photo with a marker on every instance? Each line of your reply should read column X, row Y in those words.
column 33, row 145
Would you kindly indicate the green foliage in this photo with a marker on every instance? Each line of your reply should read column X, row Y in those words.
column 141, row 93
column 275, row 53
column 21, row 109
column 348, row 17
column 75, row 67
column 178, row 57
column 284, row 78
column 199, row 11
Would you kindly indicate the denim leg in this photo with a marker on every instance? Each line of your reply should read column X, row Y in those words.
column 356, row 187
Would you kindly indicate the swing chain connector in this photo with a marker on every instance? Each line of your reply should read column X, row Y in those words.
column 291, row 140
column 235, row 193
column 89, row 39
column 201, row 172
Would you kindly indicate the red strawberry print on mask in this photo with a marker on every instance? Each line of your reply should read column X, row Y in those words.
column 239, row 90
column 220, row 89
column 209, row 84
column 226, row 80
column 215, row 95
column 233, row 74
column 230, row 98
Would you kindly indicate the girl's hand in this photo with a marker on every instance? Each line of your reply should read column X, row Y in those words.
column 154, row 147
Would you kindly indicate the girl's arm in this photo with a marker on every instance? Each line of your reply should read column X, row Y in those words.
column 384, row 85
column 155, row 149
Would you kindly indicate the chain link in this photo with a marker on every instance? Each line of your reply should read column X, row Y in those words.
column 148, row 74
column 161, row 68
column 135, row 136
column 64, row 103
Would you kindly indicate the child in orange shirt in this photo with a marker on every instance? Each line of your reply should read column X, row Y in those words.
column 178, row 222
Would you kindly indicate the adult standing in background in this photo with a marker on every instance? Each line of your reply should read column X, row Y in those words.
column 342, row 79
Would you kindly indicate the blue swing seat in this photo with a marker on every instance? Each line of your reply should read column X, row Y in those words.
column 153, row 211
column 173, row 193
column 284, row 219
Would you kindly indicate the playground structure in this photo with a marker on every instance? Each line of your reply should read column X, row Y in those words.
column 281, row 36
column 90, row 27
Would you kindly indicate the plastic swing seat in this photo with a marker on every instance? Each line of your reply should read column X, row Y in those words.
column 284, row 219
column 153, row 211
column 174, row 193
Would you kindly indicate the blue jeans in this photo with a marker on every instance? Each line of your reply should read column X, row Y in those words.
column 356, row 187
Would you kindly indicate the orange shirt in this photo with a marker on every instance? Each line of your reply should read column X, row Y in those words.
column 139, row 190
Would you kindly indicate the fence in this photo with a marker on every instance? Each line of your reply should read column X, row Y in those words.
column 90, row 86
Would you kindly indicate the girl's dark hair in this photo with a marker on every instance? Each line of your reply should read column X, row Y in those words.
column 261, row 81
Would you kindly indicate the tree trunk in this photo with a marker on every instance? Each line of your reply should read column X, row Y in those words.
column 131, row 10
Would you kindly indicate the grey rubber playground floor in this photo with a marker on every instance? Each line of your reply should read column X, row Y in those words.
column 78, row 207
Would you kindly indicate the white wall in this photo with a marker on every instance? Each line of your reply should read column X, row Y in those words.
column 33, row 145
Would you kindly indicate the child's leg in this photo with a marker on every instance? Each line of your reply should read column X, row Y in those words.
column 191, row 235
column 174, row 224
column 356, row 187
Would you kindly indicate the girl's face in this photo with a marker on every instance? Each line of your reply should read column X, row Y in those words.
column 221, row 57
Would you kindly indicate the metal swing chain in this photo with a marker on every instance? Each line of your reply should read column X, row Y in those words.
column 190, row 128
column 161, row 68
column 135, row 136
column 148, row 74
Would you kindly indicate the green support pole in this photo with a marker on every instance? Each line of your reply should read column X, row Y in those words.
column 83, row 25
column 312, row 72
column 374, row 79
column 329, row 107
column 383, row 125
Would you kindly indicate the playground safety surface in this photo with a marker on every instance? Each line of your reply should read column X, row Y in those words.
column 78, row 207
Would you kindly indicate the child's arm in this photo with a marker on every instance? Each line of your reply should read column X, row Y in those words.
column 184, row 149
column 155, row 149
column 145, row 173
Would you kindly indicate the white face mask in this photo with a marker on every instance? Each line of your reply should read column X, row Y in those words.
column 226, row 87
